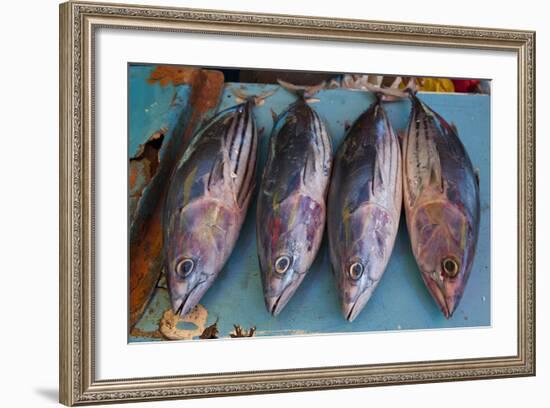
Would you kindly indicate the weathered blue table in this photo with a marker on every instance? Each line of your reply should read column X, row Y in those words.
column 400, row 302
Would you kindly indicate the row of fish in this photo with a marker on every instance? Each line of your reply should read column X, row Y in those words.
column 358, row 193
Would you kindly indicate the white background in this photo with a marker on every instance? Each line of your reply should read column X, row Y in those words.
column 115, row 359
column 28, row 215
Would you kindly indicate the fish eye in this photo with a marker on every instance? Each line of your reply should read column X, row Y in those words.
column 355, row 270
column 185, row 267
column 450, row 267
column 282, row 263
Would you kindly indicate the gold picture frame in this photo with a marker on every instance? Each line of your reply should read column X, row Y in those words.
column 78, row 22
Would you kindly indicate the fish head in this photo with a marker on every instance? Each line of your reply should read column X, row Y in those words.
column 196, row 248
column 282, row 276
column 444, row 241
column 366, row 244
column 287, row 245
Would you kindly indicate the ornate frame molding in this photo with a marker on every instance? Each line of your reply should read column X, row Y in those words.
column 78, row 22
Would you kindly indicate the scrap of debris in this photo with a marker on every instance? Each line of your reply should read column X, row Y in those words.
column 240, row 332
column 168, row 325
column 147, row 193
column 211, row 332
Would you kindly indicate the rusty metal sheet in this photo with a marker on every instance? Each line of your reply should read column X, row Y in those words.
column 166, row 104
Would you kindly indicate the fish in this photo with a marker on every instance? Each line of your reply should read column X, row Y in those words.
column 364, row 207
column 207, row 201
column 291, row 208
column 441, row 204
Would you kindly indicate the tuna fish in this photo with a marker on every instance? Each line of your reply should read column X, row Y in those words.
column 291, row 204
column 441, row 200
column 206, row 204
column 364, row 207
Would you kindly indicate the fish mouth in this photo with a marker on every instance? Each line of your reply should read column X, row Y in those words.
column 187, row 301
column 352, row 313
column 449, row 308
column 275, row 310
column 276, row 304
column 352, row 309
column 447, row 304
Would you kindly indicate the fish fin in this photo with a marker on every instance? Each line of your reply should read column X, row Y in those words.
column 240, row 96
column 258, row 100
column 396, row 82
column 224, row 166
column 304, row 92
column 435, row 173
column 216, row 172
column 333, row 84
column 309, row 166
column 371, row 187
column 435, row 179
column 412, row 86
column 476, row 173
column 221, row 168
column 379, row 178
column 386, row 94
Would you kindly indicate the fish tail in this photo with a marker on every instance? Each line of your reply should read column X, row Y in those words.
column 303, row 92
column 390, row 94
column 411, row 89
column 255, row 100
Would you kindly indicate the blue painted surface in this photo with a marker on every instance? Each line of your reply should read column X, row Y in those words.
column 401, row 300
column 151, row 107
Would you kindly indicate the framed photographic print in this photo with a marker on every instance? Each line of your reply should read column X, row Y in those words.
column 261, row 203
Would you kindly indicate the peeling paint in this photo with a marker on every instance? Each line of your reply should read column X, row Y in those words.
column 207, row 81
column 168, row 325
column 143, row 167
